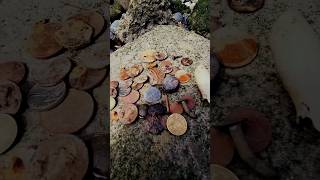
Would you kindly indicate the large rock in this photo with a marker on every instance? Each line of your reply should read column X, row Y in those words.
column 136, row 154
column 141, row 16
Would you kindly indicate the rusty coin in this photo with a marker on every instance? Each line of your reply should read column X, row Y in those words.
column 131, row 98
column 177, row 124
column 186, row 61
column 13, row 71
column 10, row 97
column 127, row 113
column 83, row 78
column 124, row 74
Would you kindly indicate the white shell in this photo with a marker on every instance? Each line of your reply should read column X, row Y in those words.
column 202, row 77
column 296, row 49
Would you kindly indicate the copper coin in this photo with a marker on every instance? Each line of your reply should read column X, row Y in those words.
column 127, row 113
column 153, row 124
column 191, row 103
column 124, row 74
column 142, row 78
column 177, row 124
column 52, row 73
column 156, row 76
column 44, row 98
column 166, row 66
column 245, row 6
column 10, row 97
column 176, row 107
column 94, row 19
column 71, row 115
column 74, row 34
column 234, row 48
column 186, row 61
column 83, row 78
column 124, row 91
column 94, row 56
column 152, row 95
column 221, row 173
column 148, row 56
column 114, row 84
column 42, row 42
column 12, row 71
column 112, row 102
column 8, row 132
column 183, row 76
column 137, row 86
column 113, row 92
column 161, row 55
column 64, row 156
column 221, row 147
column 135, row 70
column 131, row 98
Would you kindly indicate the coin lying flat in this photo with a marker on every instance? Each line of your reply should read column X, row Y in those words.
column 148, row 56
column 186, row 61
column 71, row 115
column 74, row 34
column 127, row 113
column 156, row 76
column 52, row 73
column 170, row 83
column 114, row 84
column 183, row 76
column 153, row 124
column 63, row 156
column 166, row 66
column 42, row 98
column 143, row 110
column 221, row 147
column 124, row 74
column 113, row 92
column 142, row 78
column 177, row 124
column 112, row 103
column 83, row 78
column 137, row 86
column 131, row 98
column 42, row 43
column 161, row 55
column 10, row 97
column 220, row 173
column 13, row 71
column 92, row 18
column 8, row 132
column 124, row 91
column 135, row 70
column 245, row 6
column 152, row 95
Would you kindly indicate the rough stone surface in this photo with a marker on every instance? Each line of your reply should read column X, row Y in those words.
column 295, row 150
column 136, row 154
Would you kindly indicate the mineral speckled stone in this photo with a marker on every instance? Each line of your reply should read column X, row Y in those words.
column 157, row 109
column 13, row 71
column 41, row 98
column 170, row 83
column 10, row 97
column 152, row 95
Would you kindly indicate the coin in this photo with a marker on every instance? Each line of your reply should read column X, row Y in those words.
column 156, row 76
column 143, row 110
column 127, row 113
column 126, row 83
column 152, row 65
column 44, row 98
column 176, row 107
column 186, row 61
column 8, row 132
column 166, row 66
column 13, row 71
column 112, row 102
column 161, row 55
column 10, row 97
column 124, row 91
column 142, row 78
column 71, row 115
column 137, row 86
column 113, row 92
column 74, row 34
column 131, row 98
column 83, row 78
column 157, row 109
column 52, row 73
column 135, row 70
column 170, row 83
column 183, row 76
column 114, row 84
column 94, row 19
column 124, row 74
column 246, row 6
column 152, row 95
column 219, row 172
column 221, row 147
column 42, row 43
column 148, row 56
column 152, row 124
column 177, row 124
column 64, row 156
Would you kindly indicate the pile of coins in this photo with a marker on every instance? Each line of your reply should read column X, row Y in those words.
column 58, row 94
column 142, row 91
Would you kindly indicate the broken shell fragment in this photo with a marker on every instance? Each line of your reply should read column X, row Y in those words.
column 202, row 77
column 176, row 107
column 8, row 132
column 153, row 124
column 183, row 76
column 127, row 113
column 131, row 98
column 12, row 71
column 234, row 47
column 245, row 6
column 161, row 55
column 177, row 124
column 152, row 95
column 221, row 147
column 83, row 78
column 186, row 61
column 148, row 56
column 166, row 66
column 170, row 83
column 10, row 97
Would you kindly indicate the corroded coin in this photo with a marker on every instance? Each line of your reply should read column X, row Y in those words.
column 74, row 34
column 156, row 76
column 10, row 97
column 137, row 86
column 42, row 98
column 148, row 56
column 142, row 78
column 12, row 71
column 83, row 78
column 42, row 43
column 71, row 115
column 153, row 124
column 166, row 66
column 245, row 6
column 52, row 73
column 152, row 95
column 8, row 132
column 170, row 83
column 161, row 55
column 183, row 76
column 177, row 124
column 131, row 98
column 127, row 113
column 64, row 156
column 112, row 102
column 124, row 91
column 94, row 19
column 186, row 61
column 157, row 109
column 176, row 107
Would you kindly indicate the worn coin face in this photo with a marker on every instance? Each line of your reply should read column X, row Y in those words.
column 152, row 95
column 148, row 56
column 42, row 43
column 52, row 73
column 10, row 97
column 71, row 115
column 127, row 113
column 41, row 98
column 83, row 78
column 177, row 124
column 64, row 156
column 124, row 91
column 74, row 34
column 135, row 70
column 166, row 66
column 186, row 61
column 156, row 76
column 142, row 78
column 13, row 71
column 170, row 83
column 161, row 55
column 137, row 86
column 131, row 98
column 112, row 102
column 8, row 132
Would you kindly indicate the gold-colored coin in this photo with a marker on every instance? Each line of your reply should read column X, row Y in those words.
column 177, row 124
